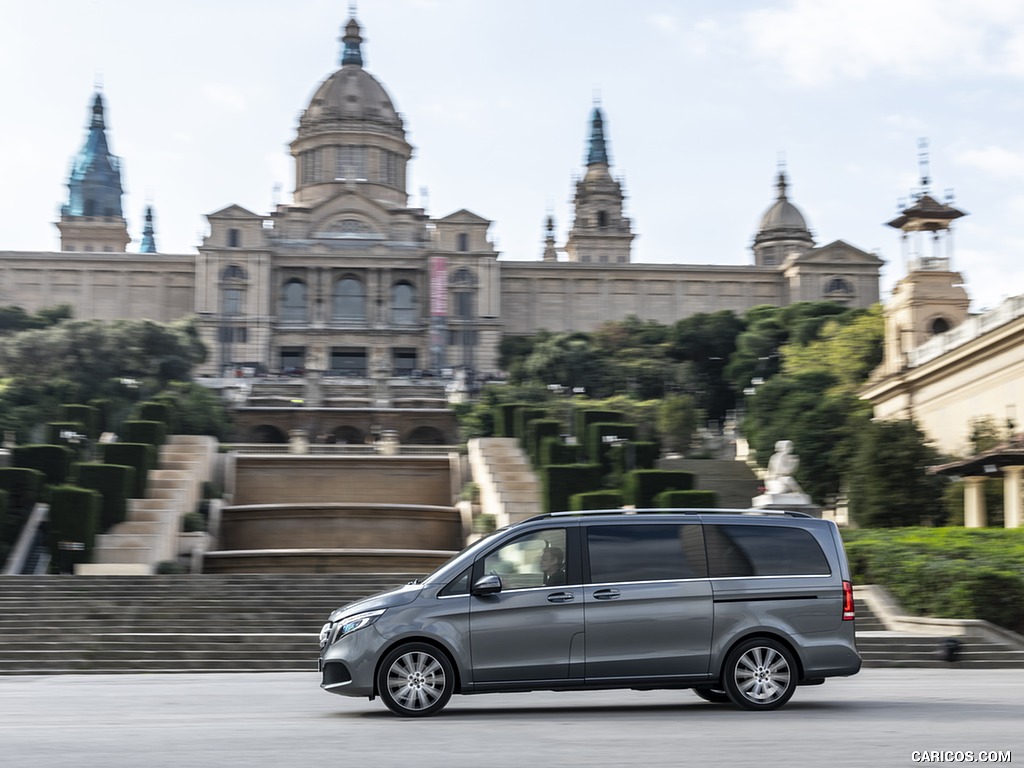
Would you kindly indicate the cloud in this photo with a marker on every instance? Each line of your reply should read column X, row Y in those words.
column 816, row 43
column 995, row 161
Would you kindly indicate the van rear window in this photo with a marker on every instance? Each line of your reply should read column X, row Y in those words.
column 762, row 550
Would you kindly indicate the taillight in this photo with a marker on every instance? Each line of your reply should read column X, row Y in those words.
column 847, row 601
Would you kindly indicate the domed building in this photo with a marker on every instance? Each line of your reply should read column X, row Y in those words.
column 349, row 279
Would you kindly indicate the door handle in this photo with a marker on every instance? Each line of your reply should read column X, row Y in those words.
column 606, row 594
column 561, row 597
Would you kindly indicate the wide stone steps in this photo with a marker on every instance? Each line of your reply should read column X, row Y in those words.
column 880, row 647
column 211, row 623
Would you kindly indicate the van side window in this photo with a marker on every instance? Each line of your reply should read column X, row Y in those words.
column 457, row 586
column 762, row 550
column 651, row 552
column 536, row 559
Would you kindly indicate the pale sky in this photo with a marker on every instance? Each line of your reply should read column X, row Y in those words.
column 701, row 99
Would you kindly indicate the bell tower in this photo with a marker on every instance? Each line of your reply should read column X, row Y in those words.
column 931, row 299
column 600, row 231
column 92, row 218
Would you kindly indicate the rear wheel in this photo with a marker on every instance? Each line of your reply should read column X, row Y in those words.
column 415, row 680
column 760, row 674
column 714, row 695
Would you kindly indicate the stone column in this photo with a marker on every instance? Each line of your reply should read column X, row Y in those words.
column 975, row 515
column 1012, row 496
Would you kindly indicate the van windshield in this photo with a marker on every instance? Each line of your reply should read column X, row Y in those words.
column 456, row 563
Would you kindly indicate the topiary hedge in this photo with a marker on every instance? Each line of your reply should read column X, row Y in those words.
column 595, row 500
column 74, row 516
column 23, row 486
column 140, row 456
column 598, row 450
column 585, row 417
column 554, row 451
column 686, row 500
column 560, row 482
column 538, row 430
column 643, row 485
column 54, row 461
column 115, row 484
column 85, row 415
column 163, row 412
column 958, row 573
column 151, row 432
column 625, row 457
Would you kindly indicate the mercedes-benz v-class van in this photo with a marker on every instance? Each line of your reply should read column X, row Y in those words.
column 741, row 607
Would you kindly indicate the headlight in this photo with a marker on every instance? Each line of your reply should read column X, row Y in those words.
column 330, row 634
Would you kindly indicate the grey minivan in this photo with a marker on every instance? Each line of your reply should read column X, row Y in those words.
column 740, row 606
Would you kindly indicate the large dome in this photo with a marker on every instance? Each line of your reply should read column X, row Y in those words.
column 782, row 215
column 351, row 93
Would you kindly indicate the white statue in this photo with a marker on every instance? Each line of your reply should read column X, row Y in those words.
column 781, row 468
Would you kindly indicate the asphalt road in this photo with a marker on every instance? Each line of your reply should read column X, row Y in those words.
column 878, row 719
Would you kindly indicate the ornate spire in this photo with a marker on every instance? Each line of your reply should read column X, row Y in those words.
column 352, row 53
column 782, row 185
column 598, row 149
column 148, row 241
column 95, row 183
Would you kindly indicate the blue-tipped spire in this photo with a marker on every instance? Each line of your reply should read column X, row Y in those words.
column 148, row 241
column 95, row 183
column 352, row 53
column 598, row 150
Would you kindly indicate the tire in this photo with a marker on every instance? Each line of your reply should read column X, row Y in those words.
column 714, row 695
column 415, row 680
column 760, row 674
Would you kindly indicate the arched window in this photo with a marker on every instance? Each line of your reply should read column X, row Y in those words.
column 233, row 272
column 938, row 325
column 403, row 303
column 839, row 286
column 293, row 301
column 348, row 302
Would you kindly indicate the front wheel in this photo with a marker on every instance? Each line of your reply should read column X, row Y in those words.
column 415, row 680
column 760, row 674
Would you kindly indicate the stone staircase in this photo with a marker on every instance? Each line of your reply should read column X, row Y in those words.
column 733, row 481
column 509, row 488
column 113, row 624
column 887, row 639
column 149, row 535
column 269, row 623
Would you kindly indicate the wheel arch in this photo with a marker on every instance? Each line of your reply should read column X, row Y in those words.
column 431, row 641
column 762, row 633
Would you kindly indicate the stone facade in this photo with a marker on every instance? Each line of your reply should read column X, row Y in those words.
column 348, row 278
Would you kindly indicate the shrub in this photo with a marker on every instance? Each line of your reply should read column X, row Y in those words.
column 586, row 417
column 686, row 500
column 54, row 461
column 597, row 449
column 642, row 485
column 140, row 456
column 86, row 415
column 562, row 481
column 595, row 500
column 151, row 432
column 74, row 514
column 538, row 430
column 114, row 483
column 23, row 485
column 554, row 451
column 192, row 522
column 945, row 572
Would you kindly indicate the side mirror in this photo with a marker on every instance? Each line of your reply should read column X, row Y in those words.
column 487, row 585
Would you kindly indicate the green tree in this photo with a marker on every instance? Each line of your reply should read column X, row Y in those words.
column 889, row 484
column 677, row 422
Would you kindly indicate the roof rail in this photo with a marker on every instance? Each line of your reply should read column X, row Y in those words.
column 668, row 510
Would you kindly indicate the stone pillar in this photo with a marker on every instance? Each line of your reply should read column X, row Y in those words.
column 1012, row 496
column 975, row 515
